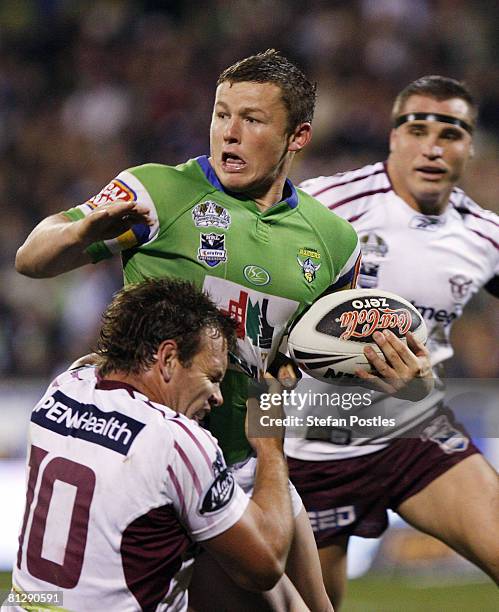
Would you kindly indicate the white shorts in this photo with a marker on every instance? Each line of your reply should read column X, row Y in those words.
column 244, row 472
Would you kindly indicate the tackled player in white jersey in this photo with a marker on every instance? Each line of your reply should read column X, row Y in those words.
column 425, row 239
column 122, row 480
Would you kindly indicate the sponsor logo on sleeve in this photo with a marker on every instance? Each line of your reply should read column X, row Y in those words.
column 67, row 417
column 221, row 490
column 210, row 214
column 212, row 249
column 115, row 190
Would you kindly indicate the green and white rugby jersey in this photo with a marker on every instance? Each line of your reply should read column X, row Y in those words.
column 263, row 268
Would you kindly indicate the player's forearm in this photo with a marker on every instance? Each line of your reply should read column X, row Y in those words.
column 53, row 247
column 271, row 495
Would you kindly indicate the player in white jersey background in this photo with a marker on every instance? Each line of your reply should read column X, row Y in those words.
column 122, row 480
column 425, row 239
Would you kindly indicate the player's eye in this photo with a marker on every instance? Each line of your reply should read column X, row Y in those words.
column 417, row 131
column 216, row 377
column 251, row 120
column 452, row 135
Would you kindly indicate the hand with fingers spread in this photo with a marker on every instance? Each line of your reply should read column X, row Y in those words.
column 405, row 371
column 58, row 244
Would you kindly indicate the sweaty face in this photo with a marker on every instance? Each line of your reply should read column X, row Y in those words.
column 427, row 158
column 248, row 136
column 198, row 385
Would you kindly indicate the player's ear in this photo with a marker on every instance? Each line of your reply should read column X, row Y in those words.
column 393, row 137
column 300, row 137
column 167, row 358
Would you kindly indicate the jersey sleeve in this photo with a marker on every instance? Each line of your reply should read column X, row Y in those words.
column 348, row 194
column 205, row 494
column 485, row 224
column 125, row 187
column 348, row 275
column 492, row 285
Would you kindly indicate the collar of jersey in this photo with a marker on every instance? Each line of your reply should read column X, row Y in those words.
column 291, row 199
column 107, row 384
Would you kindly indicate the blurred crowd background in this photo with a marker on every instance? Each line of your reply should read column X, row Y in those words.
column 90, row 88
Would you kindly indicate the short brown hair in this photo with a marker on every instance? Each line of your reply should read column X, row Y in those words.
column 141, row 316
column 298, row 93
column 437, row 87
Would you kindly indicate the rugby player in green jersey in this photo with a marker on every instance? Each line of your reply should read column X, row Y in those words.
column 235, row 225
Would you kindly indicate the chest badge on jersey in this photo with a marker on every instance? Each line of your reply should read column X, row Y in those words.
column 210, row 214
column 460, row 286
column 212, row 249
column 221, row 490
column 426, row 222
column 308, row 266
column 256, row 275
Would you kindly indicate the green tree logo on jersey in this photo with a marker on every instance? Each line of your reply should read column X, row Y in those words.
column 256, row 275
column 257, row 324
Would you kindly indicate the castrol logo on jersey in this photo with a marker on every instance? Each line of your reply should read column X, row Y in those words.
column 371, row 319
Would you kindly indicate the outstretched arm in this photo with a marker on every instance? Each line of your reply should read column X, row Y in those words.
column 58, row 245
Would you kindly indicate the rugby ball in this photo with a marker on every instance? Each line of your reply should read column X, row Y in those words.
column 328, row 340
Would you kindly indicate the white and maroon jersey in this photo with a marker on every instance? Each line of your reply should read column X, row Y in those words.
column 437, row 262
column 118, row 490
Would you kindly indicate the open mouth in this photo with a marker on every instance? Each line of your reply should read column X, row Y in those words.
column 431, row 171
column 232, row 162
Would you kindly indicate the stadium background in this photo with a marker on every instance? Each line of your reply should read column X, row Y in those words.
column 90, row 88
